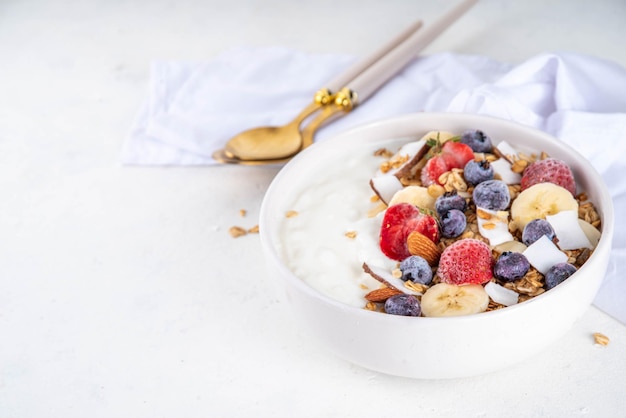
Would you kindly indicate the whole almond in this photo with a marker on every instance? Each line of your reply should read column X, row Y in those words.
column 381, row 294
column 420, row 244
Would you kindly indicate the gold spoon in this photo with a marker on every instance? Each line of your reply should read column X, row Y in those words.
column 277, row 144
column 271, row 144
column 342, row 102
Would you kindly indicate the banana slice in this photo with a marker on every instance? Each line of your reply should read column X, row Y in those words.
column 445, row 299
column 415, row 195
column 443, row 136
column 539, row 201
column 513, row 246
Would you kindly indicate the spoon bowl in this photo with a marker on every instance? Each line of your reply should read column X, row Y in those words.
column 270, row 144
column 266, row 143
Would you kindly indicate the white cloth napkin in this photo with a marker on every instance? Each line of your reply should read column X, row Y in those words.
column 192, row 109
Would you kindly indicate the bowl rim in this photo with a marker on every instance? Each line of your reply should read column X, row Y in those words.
column 607, row 215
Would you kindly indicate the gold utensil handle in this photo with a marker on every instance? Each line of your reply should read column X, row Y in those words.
column 343, row 103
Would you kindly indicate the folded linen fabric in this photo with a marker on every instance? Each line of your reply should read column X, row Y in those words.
column 192, row 109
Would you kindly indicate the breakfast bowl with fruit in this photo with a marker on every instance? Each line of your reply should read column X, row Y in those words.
column 437, row 245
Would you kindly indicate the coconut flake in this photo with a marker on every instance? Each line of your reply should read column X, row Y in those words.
column 413, row 151
column 501, row 294
column 385, row 187
column 502, row 168
column 496, row 228
column 568, row 231
column 507, row 150
column 412, row 148
column 386, row 277
column 592, row 233
column 543, row 254
column 386, row 184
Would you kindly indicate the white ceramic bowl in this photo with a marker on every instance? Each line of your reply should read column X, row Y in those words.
column 434, row 348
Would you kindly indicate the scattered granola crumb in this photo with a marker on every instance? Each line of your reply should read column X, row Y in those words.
column 351, row 234
column 237, row 231
column 383, row 152
column 397, row 273
column 242, row 212
column 370, row 306
column 600, row 339
column 416, row 287
column 291, row 213
column 483, row 214
column 519, row 166
column 254, row 230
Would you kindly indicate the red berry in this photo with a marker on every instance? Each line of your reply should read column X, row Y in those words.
column 452, row 155
column 461, row 153
column 467, row 261
column 434, row 168
column 450, row 159
column 399, row 221
column 549, row 170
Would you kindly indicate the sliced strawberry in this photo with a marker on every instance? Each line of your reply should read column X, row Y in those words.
column 451, row 160
column 450, row 155
column 399, row 221
column 434, row 168
column 458, row 152
column 429, row 227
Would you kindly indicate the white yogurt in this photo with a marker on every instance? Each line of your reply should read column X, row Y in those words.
column 314, row 244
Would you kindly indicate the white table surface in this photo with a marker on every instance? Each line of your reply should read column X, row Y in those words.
column 122, row 293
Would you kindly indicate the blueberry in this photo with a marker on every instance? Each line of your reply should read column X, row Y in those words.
column 536, row 229
column 492, row 194
column 453, row 223
column 477, row 140
column 511, row 266
column 416, row 269
column 558, row 273
column 405, row 305
column 478, row 171
column 448, row 201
